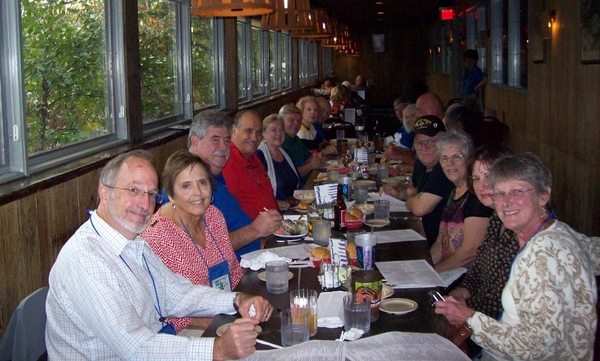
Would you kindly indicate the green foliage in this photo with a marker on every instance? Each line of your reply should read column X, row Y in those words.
column 203, row 62
column 158, row 51
column 65, row 78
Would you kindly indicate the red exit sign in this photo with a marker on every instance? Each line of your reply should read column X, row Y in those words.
column 446, row 14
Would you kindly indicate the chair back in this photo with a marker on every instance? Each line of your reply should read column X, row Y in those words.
column 491, row 130
column 24, row 336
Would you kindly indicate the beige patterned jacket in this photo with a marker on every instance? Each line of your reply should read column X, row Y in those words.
column 549, row 300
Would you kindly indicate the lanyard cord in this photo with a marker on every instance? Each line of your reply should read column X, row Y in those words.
column 157, row 306
column 196, row 245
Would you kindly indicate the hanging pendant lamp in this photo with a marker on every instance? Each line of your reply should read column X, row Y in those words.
column 231, row 8
column 289, row 15
column 321, row 29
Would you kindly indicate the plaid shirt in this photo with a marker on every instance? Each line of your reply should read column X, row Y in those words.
column 103, row 307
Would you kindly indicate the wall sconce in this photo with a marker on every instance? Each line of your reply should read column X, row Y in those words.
column 551, row 18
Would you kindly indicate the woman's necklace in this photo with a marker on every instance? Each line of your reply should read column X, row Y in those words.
column 550, row 216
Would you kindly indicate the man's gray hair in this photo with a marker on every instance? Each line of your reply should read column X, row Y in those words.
column 241, row 113
column 108, row 176
column 205, row 119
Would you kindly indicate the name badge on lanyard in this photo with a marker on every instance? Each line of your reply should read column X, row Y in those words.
column 219, row 276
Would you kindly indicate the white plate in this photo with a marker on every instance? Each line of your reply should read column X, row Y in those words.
column 377, row 223
column 398, row 306
column 365, row 182
column 373, row 196
column 305, row 196
column 292, row 217
column 296, row 209
column 393, row 181
column 263, row 276
column 223, row 328
column 386, row 291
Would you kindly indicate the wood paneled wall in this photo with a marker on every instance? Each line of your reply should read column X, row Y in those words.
column 398, row 71
column 558, row 118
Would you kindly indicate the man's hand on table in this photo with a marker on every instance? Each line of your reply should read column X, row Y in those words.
column 267, row 222
column 261, row 312
column 456, row 312
column 238, row 341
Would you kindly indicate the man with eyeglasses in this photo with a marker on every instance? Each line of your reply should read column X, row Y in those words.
column 110, row 294
column 429, row 184
column 244, row 173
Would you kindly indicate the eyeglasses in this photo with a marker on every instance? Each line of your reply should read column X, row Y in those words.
column 515, row 193
column 454, row 158
column 137, row 193
column 428, row 143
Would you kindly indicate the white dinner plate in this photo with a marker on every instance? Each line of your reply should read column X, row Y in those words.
column 263, row 276
column 377, row 222
column 221, row 330
column 287, row 236
column 398, row 306
column 386, row 291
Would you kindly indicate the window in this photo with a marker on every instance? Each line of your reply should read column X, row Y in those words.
column 160, row 57
column 63, row 77
column 260, row 58
column 243, row 42
column 207, row 62
column 327, row 55
column 279, row 48
column 303, row 61
column 64, row 71
column 509, row 23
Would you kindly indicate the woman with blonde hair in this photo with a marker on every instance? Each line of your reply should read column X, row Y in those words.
column 282, row 172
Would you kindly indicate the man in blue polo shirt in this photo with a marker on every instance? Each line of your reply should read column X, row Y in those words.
column 210, row 138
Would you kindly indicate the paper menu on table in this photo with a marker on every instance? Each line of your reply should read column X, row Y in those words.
column 396, row 205
column 326, row 193
column 410, row 274
column 389, row 345
column 412, row 346
column 398, row 235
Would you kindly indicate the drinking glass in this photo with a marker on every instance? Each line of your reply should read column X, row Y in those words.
column 294, row 326
column 306, row 299
column 382, row 172
column 361, row 193
column 382, row 209
column 277, row 276
column 357, row 313
column 321, row 229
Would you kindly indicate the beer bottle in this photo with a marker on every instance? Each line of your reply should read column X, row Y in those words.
column 339, row 210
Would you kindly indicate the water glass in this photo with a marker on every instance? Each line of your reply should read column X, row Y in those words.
column 352, row 233
column 306, row 299
column 382, row 209
column 382, row 172
column 294, row 326
column 332, row 175
column 277, row 276
column 357, row 313
column 321, row 229
column 361, row 193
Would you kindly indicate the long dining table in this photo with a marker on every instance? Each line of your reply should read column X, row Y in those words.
column 423, row 319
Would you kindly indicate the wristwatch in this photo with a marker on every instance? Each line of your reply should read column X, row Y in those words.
column 235, row 305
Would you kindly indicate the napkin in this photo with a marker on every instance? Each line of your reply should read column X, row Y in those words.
column 330, row 313
column 259, row 261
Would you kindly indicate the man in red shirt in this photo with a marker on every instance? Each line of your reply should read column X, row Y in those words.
column 244, row 173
